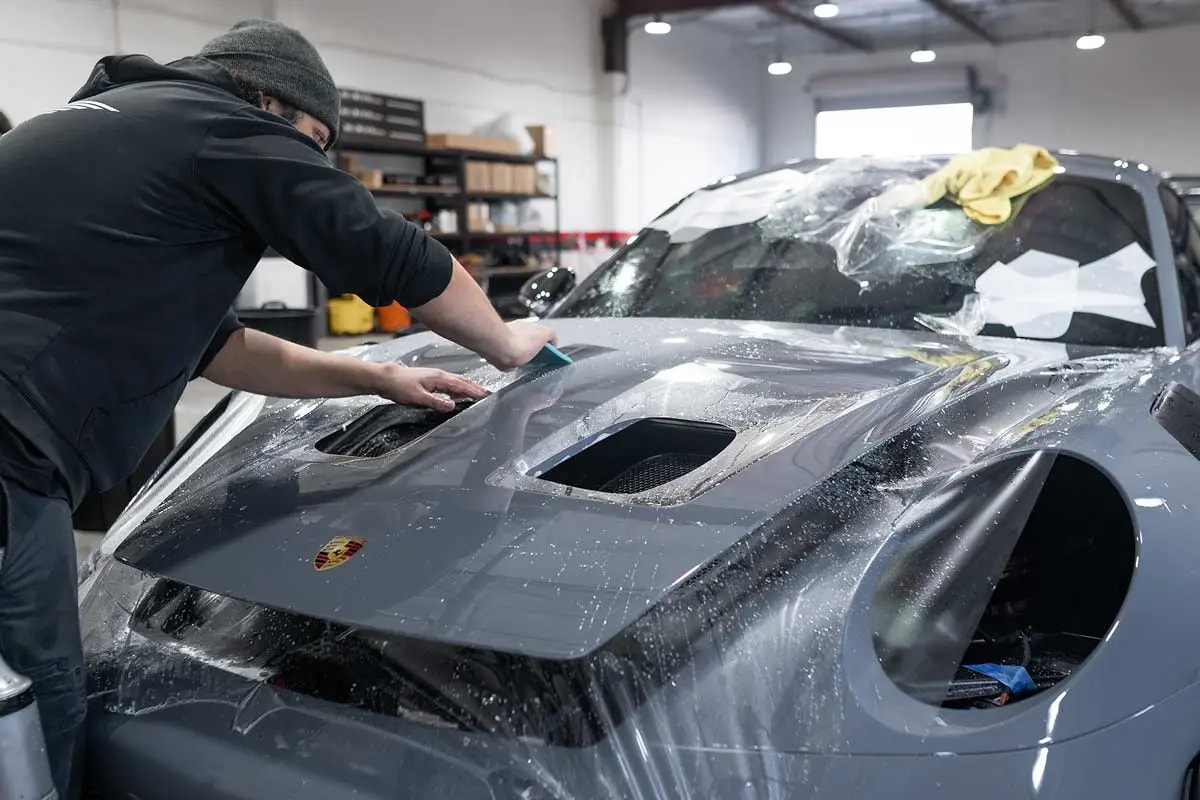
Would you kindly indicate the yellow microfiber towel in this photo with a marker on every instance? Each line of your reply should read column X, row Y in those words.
column 985, row 181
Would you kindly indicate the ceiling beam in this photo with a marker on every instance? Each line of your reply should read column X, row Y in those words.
column 783, row 12
column 645, row 8
column 1127, row 12
column 947, row 9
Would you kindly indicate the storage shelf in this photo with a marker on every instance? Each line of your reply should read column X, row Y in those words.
column 453, row 192
column 379, row 144
column 502, row 272
column 435, row 199
column 508, row 196
column 496, row 235
column 416, row 191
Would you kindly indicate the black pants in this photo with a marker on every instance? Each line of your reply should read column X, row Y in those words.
column 39, row 622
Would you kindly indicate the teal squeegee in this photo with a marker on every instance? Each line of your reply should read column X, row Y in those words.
column 550, row 356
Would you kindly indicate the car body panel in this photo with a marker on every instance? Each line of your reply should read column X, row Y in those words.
column 304, row 751
column 466, row 539
column 702, row 680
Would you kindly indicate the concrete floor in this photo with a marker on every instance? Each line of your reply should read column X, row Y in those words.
column 198, row 398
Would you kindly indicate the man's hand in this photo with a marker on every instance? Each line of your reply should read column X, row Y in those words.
column 253, row 361
column 428, row 388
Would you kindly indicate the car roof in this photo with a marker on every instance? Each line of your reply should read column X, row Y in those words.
column 1086, row 162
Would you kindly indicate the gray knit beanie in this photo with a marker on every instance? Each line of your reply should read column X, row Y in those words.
column 279, row 60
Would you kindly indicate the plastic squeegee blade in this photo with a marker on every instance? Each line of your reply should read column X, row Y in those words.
column 550, row 355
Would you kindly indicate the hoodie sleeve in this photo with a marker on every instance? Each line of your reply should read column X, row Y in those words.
column 271, row 179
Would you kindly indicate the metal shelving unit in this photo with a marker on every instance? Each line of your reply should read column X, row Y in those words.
column 358, row 143
column 434, row 197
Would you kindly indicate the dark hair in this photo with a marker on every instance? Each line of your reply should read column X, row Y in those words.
column 5, row 125
column 254, row 94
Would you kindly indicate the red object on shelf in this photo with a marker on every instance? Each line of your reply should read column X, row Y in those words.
column 392, row 318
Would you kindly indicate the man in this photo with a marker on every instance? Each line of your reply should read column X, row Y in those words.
column 133, row 216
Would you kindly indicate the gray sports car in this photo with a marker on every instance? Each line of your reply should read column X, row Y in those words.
column 842, row 497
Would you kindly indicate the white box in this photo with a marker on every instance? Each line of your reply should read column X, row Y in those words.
column 276, row 280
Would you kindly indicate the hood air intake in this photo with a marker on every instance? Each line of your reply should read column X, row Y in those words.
column 642, row 456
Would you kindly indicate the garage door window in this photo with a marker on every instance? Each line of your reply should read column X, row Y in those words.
column 898, row 131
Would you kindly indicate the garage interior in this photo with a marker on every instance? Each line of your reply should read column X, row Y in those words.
column 628, row 121
column 538, row 135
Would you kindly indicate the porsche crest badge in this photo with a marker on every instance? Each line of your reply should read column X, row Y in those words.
column 338, row 551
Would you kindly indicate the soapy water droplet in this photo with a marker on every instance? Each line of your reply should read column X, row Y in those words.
column 1151, row 502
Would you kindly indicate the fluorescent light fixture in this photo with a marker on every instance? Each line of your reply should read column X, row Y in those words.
column 922, row 56
column 779, row 67
column 826, row 11
column 658, row 26
column 1092, row 41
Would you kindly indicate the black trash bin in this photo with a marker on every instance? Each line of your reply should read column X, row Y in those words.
column 297, row 325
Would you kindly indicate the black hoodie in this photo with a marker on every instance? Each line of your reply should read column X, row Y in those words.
column 131, row 219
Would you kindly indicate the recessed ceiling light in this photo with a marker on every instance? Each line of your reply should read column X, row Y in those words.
column 922, row 56
column 826, row 11
column 658, row 26
column 779, row 67
column 1092, row 41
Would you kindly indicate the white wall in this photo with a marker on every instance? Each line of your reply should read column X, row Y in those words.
column 1138, row 97
column 692, row 112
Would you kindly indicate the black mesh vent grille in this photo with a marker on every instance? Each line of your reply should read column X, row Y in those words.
column 653, row 472
column 642, row 456
column 385, row 429
column 391, row 439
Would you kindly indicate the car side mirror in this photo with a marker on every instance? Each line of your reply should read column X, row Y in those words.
column 545, row 289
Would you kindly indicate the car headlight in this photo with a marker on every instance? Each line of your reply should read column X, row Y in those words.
column 108, row 589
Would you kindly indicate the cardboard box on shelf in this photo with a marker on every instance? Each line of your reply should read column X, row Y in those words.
column 463, row 141
column 525, row 179
column 543, row 140
column 371, row 178
column 502, row 178
column 479, row 176
column 479, row 218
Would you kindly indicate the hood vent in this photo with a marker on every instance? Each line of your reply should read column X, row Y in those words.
column 642, row 456
column 385, row 429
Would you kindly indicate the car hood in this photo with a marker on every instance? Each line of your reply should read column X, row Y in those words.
column 461, row 542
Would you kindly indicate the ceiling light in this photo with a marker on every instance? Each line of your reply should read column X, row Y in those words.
column 779, row 67
column 922, row 56
column 1092, row 41
column 657, row 26
column 826, row 11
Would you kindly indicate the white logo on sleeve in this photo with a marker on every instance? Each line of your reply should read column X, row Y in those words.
column 84, row 105
column 79, row 105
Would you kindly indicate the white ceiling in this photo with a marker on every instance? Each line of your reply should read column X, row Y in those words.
column 891, row 24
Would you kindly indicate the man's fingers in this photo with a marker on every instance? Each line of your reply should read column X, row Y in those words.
column 454, row 386
column 435, row 401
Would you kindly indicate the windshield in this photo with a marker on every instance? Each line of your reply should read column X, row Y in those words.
column 1071, row 264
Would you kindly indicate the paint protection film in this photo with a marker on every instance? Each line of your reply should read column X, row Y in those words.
column 768, row 651
column 851, row 243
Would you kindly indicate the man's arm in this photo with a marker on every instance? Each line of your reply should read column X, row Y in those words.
column 464, row 315
column 257, row 362
column 260, row 172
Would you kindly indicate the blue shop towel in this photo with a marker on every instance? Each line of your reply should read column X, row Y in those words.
column 1015, row 678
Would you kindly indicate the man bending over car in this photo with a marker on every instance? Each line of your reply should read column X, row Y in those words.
column 132, row 217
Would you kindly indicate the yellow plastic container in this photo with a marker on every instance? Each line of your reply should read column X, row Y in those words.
column 350, row 315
